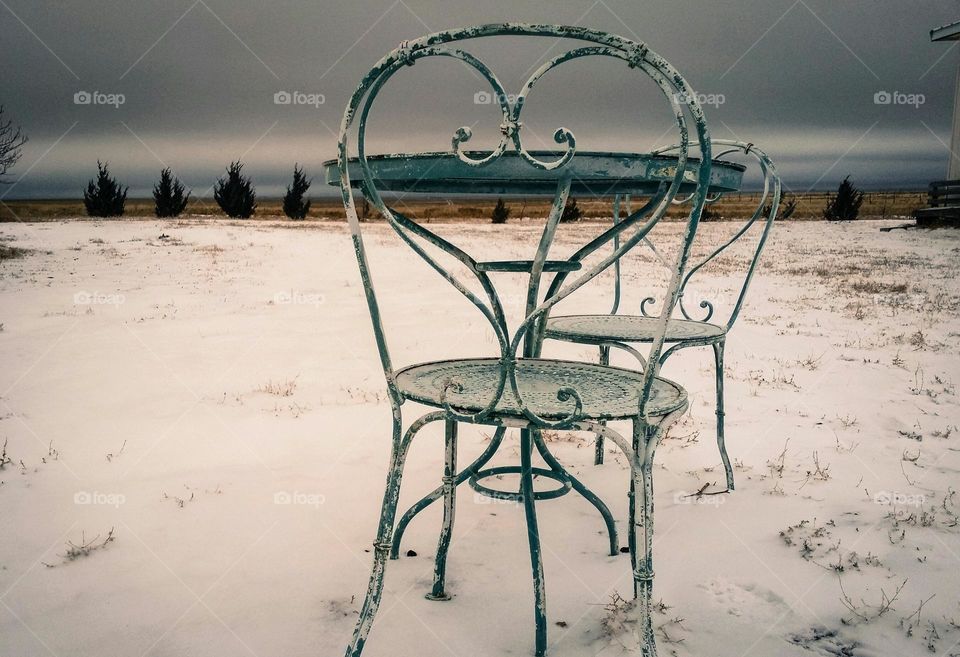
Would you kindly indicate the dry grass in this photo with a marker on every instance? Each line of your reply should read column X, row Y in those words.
column 279, row 388
column 11, row 252
column 732, row 206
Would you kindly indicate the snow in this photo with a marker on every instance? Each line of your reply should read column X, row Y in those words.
column 215, row 398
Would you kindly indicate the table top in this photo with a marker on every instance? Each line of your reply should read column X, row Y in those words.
column 593, row 172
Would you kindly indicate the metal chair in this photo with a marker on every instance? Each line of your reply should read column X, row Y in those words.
column 515, row 387
column 619, row 331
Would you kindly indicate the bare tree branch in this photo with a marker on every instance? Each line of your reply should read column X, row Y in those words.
column 12, row 140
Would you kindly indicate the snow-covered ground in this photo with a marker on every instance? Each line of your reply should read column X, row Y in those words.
column 214, row 399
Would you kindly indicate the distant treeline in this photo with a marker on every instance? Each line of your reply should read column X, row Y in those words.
column 876, row 205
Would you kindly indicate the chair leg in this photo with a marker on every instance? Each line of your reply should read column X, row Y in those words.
column 718, row 361
column 631, row 526
column 641, row 530
column 533, row 536
column 585, row 492
column 449, row 511
column 598, row 441
column 381, row 546
column 437, row 492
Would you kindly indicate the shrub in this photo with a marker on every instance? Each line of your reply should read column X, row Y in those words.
column 571, row 212
column 293, row 204
column 709, row 215
column 234, row 193
column 103, row 196
column 168, row 197
column 786, row 209
column 845, row 206
column 500, row 213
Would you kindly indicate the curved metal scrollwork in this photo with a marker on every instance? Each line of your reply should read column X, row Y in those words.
column 766, row 209
column 528, row 334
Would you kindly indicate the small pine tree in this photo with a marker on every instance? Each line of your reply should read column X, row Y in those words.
column 293, row 204
column 500, row 213
column 103, row 196
column 571, row 211
column 845, row 206
column 364, row 208
column 168, row 197
column 709, row 215
column 234, row 193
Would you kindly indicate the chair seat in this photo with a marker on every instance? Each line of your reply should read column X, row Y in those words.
column 608, row 393
column 594, row 329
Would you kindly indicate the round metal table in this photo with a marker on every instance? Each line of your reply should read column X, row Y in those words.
column 596, row 173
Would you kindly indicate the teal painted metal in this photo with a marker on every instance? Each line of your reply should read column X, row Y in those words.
column 449, row 510
column 507, row 390
column 435, row 494
column 596, row 173
column 617, row 330
column 523, row 266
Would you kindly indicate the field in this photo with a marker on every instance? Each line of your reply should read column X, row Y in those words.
column 876, row 205
column 195, row 435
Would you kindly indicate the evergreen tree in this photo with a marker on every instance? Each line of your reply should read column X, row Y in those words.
column 845, row 206
column 500, row 213
column 571, row 211
column 168, row 197
column 234, row 193
column 293, row 204
column 709, row 215
column 103, row 196
column 364, row 208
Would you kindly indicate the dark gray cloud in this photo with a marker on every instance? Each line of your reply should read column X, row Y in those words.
column 198, row 78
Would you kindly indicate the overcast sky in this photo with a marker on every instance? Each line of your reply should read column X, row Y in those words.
column 198, row 80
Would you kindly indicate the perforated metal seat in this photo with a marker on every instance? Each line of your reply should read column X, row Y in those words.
column 607, row 393
column 595, row 329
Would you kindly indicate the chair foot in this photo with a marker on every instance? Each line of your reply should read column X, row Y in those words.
column 648, row 641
